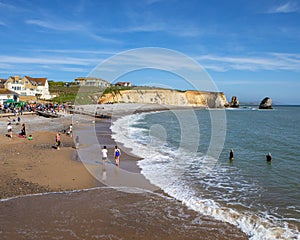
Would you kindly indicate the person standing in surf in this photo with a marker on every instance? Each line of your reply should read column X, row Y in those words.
column 117, row 154
column 231, row 157
column 269, row 157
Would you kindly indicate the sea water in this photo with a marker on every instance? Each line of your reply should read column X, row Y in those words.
column 261, row 198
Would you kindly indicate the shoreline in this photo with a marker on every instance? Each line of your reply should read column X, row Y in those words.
column 213, row 228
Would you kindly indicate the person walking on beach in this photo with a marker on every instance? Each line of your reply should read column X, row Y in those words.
column 231, row 157
column 57, row 139
column 104, row 153
column 23, row 130
column 71, row 130
column 117, row 154
column 9, row 130
column 77, row 142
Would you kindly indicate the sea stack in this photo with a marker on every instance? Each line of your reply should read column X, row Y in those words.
column 234, row 102
column 266, row 103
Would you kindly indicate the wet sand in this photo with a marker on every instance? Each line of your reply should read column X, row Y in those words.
column 101, row 213
column 106, row 214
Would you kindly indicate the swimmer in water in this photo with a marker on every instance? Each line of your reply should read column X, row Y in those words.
column 231, row 157
column 269, row 157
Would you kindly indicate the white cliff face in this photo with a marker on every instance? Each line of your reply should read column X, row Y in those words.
column 168, row 97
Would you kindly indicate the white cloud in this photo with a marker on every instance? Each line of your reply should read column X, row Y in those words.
column 269, row 61
column 66, row 26
column 288, row 7
column 77, row 51
column 103, row 39
column 6, row 6
column 150, row 2
column 156, row 59
column 46, row 60
column 25, row 71
column 61, row 26
column 153, row 27
column 181, row 31
column 5, row 66
column 70, row 69
column 239, row 82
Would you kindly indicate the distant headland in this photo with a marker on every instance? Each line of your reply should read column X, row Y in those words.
column 91, row 90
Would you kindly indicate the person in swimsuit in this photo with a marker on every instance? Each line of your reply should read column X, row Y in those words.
column 117, row 154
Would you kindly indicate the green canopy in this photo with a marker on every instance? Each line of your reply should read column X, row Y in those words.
column 9, row 101
column 20, row 104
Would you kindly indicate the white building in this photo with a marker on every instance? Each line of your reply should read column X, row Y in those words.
column 28, row 86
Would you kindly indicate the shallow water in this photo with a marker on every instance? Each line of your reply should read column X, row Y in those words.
column 263, row 199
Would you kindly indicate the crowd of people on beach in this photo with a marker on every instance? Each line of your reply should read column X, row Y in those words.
column 16, row 108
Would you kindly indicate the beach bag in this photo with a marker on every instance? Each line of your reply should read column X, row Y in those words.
column 117, row 153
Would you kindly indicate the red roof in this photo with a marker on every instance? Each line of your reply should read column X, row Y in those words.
column 37, row 81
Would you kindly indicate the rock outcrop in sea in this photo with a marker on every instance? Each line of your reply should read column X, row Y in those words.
column 168, row 97
column 266, row 103
column 234, row 102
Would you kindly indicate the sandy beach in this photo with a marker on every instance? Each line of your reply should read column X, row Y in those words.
column 51, row 194
column 35, row 166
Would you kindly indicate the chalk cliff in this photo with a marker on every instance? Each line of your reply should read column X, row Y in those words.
column 168, row 97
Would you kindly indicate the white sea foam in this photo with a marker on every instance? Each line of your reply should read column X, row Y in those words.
column 123, row 189
column 168, row 168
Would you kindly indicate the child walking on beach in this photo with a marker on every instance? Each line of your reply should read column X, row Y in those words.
column 104, row 153
column 117, row 154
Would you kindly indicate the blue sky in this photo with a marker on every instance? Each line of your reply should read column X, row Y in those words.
column 250, row 49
